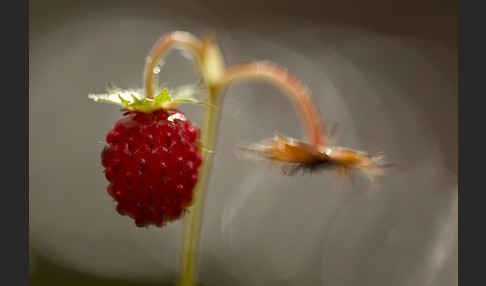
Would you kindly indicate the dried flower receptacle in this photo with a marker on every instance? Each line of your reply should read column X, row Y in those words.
column 298, row 155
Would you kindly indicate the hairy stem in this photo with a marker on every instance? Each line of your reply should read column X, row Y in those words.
column 180, row 40
column 193, row 220
column 210, row 63
column 291, row 85
column 192, row 225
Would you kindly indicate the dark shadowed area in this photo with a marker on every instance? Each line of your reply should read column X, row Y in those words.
column 384, row 71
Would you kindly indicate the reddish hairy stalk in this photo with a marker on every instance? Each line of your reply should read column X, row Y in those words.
column 180, row 40
column 293, row 87
column 210, row 64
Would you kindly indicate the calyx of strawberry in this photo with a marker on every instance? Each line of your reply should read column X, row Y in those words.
column 135, row 100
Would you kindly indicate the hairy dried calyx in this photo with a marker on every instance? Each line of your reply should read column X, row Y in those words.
column 135, row 100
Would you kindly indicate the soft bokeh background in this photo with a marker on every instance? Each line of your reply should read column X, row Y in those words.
column 385, row 71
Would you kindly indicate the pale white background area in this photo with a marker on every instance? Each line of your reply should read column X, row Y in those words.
column 386, row 73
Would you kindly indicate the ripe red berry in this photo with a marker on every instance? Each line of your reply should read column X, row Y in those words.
column 151, row 162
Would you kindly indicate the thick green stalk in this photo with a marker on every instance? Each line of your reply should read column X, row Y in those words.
column 193, row 220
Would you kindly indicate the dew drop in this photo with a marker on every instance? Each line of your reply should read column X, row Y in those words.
column 186, row 54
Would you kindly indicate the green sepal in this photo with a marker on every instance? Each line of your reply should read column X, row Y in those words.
column 123, row 101
column 134, row 100
column 163, row 97
column 183, row 94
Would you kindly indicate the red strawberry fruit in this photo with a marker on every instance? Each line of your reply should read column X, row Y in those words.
column 151, row 160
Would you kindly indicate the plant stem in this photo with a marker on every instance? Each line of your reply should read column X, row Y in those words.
column 261, row 71
column 210, row 63
column 193, row 220
column 192, row 224
column 300, row 95
column 181, row 40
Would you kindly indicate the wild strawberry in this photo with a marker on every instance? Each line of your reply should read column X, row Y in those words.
column 151, row 159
